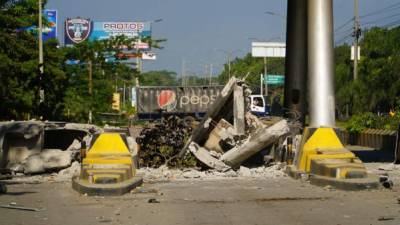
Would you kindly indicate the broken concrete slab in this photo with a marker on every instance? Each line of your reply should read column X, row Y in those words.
column 239, row 110
column 47, row 160
column 213, row 115
column 255, row 143
column 21, row 139
column 205, row 157
column 223, row 131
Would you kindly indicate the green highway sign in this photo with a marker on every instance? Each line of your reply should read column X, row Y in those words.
column 274, row 79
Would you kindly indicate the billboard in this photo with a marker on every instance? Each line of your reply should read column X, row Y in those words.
column 105, row 30
column 149, row 56
column 77, row 30
column 268, row 49
column 50, row 31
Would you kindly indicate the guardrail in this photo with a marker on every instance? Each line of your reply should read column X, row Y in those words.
column 382, row 142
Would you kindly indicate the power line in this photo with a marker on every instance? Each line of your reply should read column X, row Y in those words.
column 348, row 31
column 392, row 24
column 381, row 19
column 383, row 10
column 344, row 25
column 343, row 39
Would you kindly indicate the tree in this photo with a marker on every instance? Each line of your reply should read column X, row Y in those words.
column 159, row 78
column 255, row 66
column 377, row 88
column 19, row 80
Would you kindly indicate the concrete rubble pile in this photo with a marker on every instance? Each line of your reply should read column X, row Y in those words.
column 165, row 173
column 229, row 134
column 34, row 147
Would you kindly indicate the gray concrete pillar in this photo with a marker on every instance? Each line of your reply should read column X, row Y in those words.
column 296, row 59
column 321, row 93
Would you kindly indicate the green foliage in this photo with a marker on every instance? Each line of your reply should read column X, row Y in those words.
column 255, row 66
column 18, row 60
column 377, row 88
column 361, row 121
column 158, row 78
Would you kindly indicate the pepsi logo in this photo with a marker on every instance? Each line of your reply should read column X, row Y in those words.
column 167, row 100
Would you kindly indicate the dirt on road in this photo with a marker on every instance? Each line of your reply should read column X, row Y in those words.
column 220, row 200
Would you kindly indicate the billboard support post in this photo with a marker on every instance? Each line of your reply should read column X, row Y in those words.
column 264, row 50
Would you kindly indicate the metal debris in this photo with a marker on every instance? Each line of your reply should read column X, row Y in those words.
column 13, row 206
column 161, row 143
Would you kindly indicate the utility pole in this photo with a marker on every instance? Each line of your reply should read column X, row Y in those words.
column 90, row 71
column 41, row 66
column 183, row 73
column 229, row 64
column 138, row 66
column 211, row 73
column 205, row 73
column 356, row 35
column 265, row 76
column 90, row 85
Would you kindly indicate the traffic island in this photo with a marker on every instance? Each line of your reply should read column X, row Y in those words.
column 91, row 189
column 325, row 161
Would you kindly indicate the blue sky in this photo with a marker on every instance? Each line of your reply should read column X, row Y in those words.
column 197, row 30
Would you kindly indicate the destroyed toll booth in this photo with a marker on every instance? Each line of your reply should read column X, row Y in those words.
column 229, row 134
column 33, row 147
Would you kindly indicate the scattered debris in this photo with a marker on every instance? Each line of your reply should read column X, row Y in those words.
column 14, row 206
column 385, row 218
column 386, row 182
column 153, row 200
column 166, row 174
column 103, row 219
column 68, row 173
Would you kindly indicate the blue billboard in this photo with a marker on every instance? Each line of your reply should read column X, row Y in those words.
column 50, row 31
column 105, row 30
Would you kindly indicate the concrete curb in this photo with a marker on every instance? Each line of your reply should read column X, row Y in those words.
column 84, row 187
column 354, row 184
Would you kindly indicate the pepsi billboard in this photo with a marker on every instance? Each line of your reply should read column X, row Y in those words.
column 196, row 99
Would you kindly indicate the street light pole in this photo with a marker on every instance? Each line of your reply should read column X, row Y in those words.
column 139, row 55
column 229, row 64
column 229, row 55
column 138, row 67
column 357, row 33
column 41, row 67
column 265, row 76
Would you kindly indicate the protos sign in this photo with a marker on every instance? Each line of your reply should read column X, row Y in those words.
column 121, row 26
column 105, row 30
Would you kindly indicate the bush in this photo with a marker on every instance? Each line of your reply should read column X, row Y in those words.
column 362, row 121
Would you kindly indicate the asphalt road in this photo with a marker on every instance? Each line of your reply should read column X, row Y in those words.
column 222, row 201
